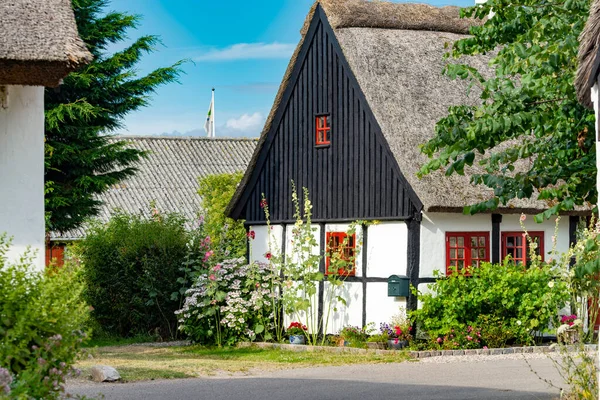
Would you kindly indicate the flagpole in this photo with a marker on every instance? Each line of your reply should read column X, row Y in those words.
column 213, row 114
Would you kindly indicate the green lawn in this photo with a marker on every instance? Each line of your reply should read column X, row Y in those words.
column 137, row 363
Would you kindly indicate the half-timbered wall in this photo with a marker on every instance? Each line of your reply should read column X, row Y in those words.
column 355, row 177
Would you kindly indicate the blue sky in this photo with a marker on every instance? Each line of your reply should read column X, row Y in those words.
column 241, row 48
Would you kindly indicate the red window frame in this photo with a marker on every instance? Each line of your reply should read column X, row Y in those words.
column 466, row 249
column 517, row 245
column 322, row 130
column 345, row 245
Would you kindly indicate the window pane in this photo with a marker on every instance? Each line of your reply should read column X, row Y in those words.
column 320, row 122
column 474, row 253
column 461, row 253
column 453, row 253
column 461, row 241
column 510, row 241
column 482, row 241
column 452, row 241
column 460, row 264
column 482, row 254
column 519, row 253
column 475, row 263
column 519, row 240
column 473, row 242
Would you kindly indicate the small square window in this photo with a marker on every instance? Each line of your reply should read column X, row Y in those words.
column 341, row 254
column 323, row 130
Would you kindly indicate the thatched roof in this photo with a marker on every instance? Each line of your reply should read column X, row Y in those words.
column 396, row 53
column 588, row 56
column 40, row 44
column 169, row 176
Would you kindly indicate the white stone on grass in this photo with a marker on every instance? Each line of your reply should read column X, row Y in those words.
column 104, row 373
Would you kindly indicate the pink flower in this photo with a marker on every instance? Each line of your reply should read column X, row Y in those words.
column 201, row 219
column 217, row 267
column 439, row 340
column 207, row 255
column 251, row 234
column 523, row 217
column 485, row 347
column 212, row 277
column 469, row 338
column 263, row 203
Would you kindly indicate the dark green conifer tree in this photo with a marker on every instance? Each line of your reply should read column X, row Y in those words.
column 82, row 161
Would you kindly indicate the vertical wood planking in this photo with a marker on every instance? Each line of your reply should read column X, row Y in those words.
column 355, row 177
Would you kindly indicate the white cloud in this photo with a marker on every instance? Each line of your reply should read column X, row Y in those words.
column 246, row 123
column 249, row 51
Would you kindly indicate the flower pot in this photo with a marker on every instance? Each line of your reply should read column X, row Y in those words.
column 569, row 336
column 377, row 345
column 397, row 344
column 297, row 339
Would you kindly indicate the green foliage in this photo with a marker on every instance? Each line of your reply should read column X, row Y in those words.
column 81, row 160
column 136, row 273
column 530, row 134
column 229, row 302
column 41, row 316
column 525, row 300
column 228, row 236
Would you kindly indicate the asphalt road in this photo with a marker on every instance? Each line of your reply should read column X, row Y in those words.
column 498, row 379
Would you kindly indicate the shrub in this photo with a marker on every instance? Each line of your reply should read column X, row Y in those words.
column 228, row 236
column 230, row 302
column 526, row 300
column 137, row 270
column 41, row 314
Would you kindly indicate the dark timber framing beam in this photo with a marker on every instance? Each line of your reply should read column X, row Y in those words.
column 414, row 259
column 496, row 221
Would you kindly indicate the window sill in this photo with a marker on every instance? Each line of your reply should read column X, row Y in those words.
column 323, row 146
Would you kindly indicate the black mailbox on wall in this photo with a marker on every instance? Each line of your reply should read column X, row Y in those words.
column 398, row 286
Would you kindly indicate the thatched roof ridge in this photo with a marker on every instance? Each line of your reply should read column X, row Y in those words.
column 40, row 44
column 588, row 56
column 386, row 15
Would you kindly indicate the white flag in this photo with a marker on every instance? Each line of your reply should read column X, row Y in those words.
column 209, row 125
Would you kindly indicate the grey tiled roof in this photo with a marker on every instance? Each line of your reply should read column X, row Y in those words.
column 169, row 175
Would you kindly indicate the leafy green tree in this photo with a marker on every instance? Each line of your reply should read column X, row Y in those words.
column 228, row 236
column 81, row 159
column 530, row 134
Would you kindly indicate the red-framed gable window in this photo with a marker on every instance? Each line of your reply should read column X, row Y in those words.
column 466, row 249
column 323, row 130
column 516, row 245
column 344, row 245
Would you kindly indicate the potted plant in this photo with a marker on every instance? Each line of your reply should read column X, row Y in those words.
column 296, row 333
column 568, row 332
column 354, row 336
column 378, row 341
column 398, row 331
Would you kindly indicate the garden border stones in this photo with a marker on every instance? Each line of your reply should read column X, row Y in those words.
column 413, row 354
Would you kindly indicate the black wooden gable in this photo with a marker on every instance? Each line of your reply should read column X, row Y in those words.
column 355, row 177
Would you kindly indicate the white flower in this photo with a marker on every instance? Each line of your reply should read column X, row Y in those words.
column 551, row 284
column 562, row 329
column 519, row 322
column 578, row 322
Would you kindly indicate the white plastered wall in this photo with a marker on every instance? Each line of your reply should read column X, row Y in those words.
column 22, row 170
column 265, row 240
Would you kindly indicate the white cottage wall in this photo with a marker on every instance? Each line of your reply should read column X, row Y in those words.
column 351, row 313
column 387, row 246
column 265, row 240
column 380, row 307
column 433, row 237
column 22, row 171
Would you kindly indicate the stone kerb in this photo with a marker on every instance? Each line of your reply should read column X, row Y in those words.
column 413, row 354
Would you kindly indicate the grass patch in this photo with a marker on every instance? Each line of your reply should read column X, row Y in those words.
column 105, row 341
column 137, row 363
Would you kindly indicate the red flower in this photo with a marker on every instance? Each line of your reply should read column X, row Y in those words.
column 268, row 255
column 251, row 234
column 263, row 203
